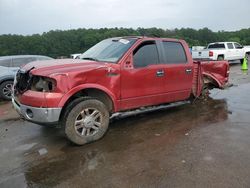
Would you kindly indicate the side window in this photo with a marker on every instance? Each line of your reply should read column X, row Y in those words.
column 5, row 62
column 43, row 58
column 216, row 45
column 146, row 54
column 174, row 52
column 230, row 46
column 20, row 61
column 237, row 46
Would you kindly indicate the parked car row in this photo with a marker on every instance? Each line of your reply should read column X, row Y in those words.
column 9, row 66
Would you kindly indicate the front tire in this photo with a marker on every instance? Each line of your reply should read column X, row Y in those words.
column 86, row 120
column 6, row 90
column 246, row 56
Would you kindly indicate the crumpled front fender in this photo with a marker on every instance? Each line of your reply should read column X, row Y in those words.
column 88, row 86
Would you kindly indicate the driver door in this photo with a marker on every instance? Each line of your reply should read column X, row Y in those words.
column 142, row 79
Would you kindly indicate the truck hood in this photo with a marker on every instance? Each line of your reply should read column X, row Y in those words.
column 60, row 66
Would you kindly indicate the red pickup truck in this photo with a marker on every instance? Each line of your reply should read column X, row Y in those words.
column 117, row 74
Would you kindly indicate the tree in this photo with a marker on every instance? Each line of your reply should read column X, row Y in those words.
column 63, row 43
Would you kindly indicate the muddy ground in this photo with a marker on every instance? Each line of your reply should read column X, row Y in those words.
column 206, row 144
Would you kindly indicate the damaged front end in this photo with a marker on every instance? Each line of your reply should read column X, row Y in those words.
column 26, row 81
column 42, row 84
column 22, row 81
column 33, row 98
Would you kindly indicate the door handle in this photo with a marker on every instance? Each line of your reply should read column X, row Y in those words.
column 160, row 73
column 188, row 71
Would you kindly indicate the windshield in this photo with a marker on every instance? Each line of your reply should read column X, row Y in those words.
column 109, row 50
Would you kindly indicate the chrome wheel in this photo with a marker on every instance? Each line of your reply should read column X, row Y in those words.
column 88, row 122
column 85, row 120
column 7, row 90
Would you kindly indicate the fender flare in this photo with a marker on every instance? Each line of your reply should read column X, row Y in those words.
column 75, row 90
column 211, row 76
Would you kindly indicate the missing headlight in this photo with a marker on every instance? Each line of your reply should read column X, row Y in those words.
column 43, row 84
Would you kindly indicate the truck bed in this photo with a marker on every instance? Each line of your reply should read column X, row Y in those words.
column 209, row 74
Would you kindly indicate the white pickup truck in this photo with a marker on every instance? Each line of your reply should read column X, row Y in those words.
column 222, row 51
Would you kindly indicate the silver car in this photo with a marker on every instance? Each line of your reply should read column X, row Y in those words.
column 9, row 65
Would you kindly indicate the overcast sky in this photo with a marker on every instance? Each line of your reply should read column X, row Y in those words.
column 38, row 16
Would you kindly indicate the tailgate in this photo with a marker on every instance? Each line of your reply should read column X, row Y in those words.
column 200, row 54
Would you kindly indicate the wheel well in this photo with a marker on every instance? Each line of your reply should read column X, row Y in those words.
column 209, row 82
column 2, row 81
column 220, row 55
column 93, row 93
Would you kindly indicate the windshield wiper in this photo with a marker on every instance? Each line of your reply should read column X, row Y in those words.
column 90, row 58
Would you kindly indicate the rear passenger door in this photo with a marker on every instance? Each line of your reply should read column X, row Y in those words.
column 178, row 71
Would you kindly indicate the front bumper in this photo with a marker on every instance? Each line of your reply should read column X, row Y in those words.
column 38, row 115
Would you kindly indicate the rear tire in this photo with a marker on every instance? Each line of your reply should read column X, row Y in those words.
column 6, row 90
column 85, row 120
column 241, row 61
column 246, row 56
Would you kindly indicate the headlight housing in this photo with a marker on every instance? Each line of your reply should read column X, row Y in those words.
column 43, row 84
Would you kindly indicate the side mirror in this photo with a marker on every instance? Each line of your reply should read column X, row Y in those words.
column 128, row 63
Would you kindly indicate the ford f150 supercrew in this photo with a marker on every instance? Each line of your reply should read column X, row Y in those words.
column 117, row 74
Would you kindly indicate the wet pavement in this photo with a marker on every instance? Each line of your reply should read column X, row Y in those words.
column 205, row 144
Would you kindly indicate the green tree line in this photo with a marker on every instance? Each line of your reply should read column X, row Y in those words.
column 63, row 43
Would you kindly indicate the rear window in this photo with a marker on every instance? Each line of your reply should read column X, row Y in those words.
column 174, row 52
column 216, row 46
